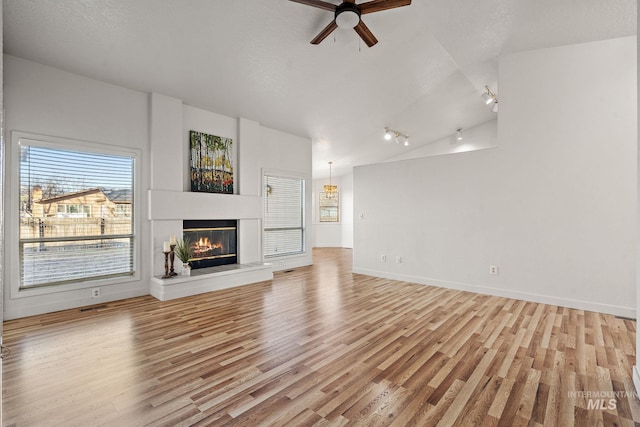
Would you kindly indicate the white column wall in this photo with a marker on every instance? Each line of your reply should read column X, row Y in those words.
column 347, row 211
column 636, row 372
column 250, row 184
column 166, row 170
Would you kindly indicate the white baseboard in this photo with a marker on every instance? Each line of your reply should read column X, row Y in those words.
column 629, row 312
column 288, row 263
column 25, row 307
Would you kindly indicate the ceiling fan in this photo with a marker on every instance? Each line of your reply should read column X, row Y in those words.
column 348, row 13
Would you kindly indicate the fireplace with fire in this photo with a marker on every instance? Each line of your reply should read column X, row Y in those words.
column 213, row 242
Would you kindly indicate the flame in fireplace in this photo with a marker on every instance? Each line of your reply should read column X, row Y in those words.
column 204, row 245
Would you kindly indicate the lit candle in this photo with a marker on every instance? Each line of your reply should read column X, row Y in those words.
column 173, row 239
column 166, row 247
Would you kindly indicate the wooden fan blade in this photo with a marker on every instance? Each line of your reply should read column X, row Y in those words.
column 379, row 5
column 365, row 34
column 317, row 3
column 325, row 32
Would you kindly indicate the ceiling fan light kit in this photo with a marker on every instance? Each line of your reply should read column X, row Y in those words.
column 347, row 15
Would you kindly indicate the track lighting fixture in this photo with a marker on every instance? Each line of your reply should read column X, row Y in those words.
column 397, row 136
column 491, row 99
column 459, row 134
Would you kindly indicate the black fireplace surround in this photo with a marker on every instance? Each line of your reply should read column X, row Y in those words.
column 213, row 242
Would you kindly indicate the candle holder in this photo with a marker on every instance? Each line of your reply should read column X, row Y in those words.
column 172, row 257
column 166, row 265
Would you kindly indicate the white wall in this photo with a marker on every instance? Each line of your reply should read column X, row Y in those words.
column 340, row 234
column 553, row 206
column 346, row 182
column 279, row 151
column 47, row 101
column 256, row 148
column 636, row 372
column 213, row 124
column 2, row 160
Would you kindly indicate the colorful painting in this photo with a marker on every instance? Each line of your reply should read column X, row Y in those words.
column 211, row 163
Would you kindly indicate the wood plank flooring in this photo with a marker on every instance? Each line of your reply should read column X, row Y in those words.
column 320, row 346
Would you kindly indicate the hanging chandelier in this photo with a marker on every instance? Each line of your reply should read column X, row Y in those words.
column 330, row 190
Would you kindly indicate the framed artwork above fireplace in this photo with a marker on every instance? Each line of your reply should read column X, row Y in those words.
column 211, row 165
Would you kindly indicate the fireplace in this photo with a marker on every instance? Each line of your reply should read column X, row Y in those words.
column 213, row 242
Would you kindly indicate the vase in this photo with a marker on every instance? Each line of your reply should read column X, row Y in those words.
column 186, row 269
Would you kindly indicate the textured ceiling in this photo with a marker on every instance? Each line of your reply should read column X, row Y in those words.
column 252, row 58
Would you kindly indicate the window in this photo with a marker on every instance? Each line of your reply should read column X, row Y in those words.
column 70, row 228
column 329, row 204
column 123, row 210
column 283, row 216
column 74, row 211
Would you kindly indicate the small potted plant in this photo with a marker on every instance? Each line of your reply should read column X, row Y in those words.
column 184, row 253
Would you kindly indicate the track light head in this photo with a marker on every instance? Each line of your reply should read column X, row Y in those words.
column 491, row 99
column 459, row 134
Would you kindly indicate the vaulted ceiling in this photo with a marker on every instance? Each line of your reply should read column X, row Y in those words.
column 252, row 58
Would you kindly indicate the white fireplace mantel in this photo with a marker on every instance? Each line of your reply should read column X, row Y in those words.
column 179, row 205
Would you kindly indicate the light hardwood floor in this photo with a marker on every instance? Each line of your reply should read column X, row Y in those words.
column 320, row 346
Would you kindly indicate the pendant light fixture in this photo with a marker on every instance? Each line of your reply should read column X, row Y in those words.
column 330, row 190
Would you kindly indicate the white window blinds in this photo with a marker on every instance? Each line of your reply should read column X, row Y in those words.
column 283, row 216
column 71, row 227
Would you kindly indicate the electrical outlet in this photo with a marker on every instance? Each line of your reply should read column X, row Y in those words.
column 95, row 292
column 399, row 259
column 493, row 270
column 383, row 258
column 282, row 264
